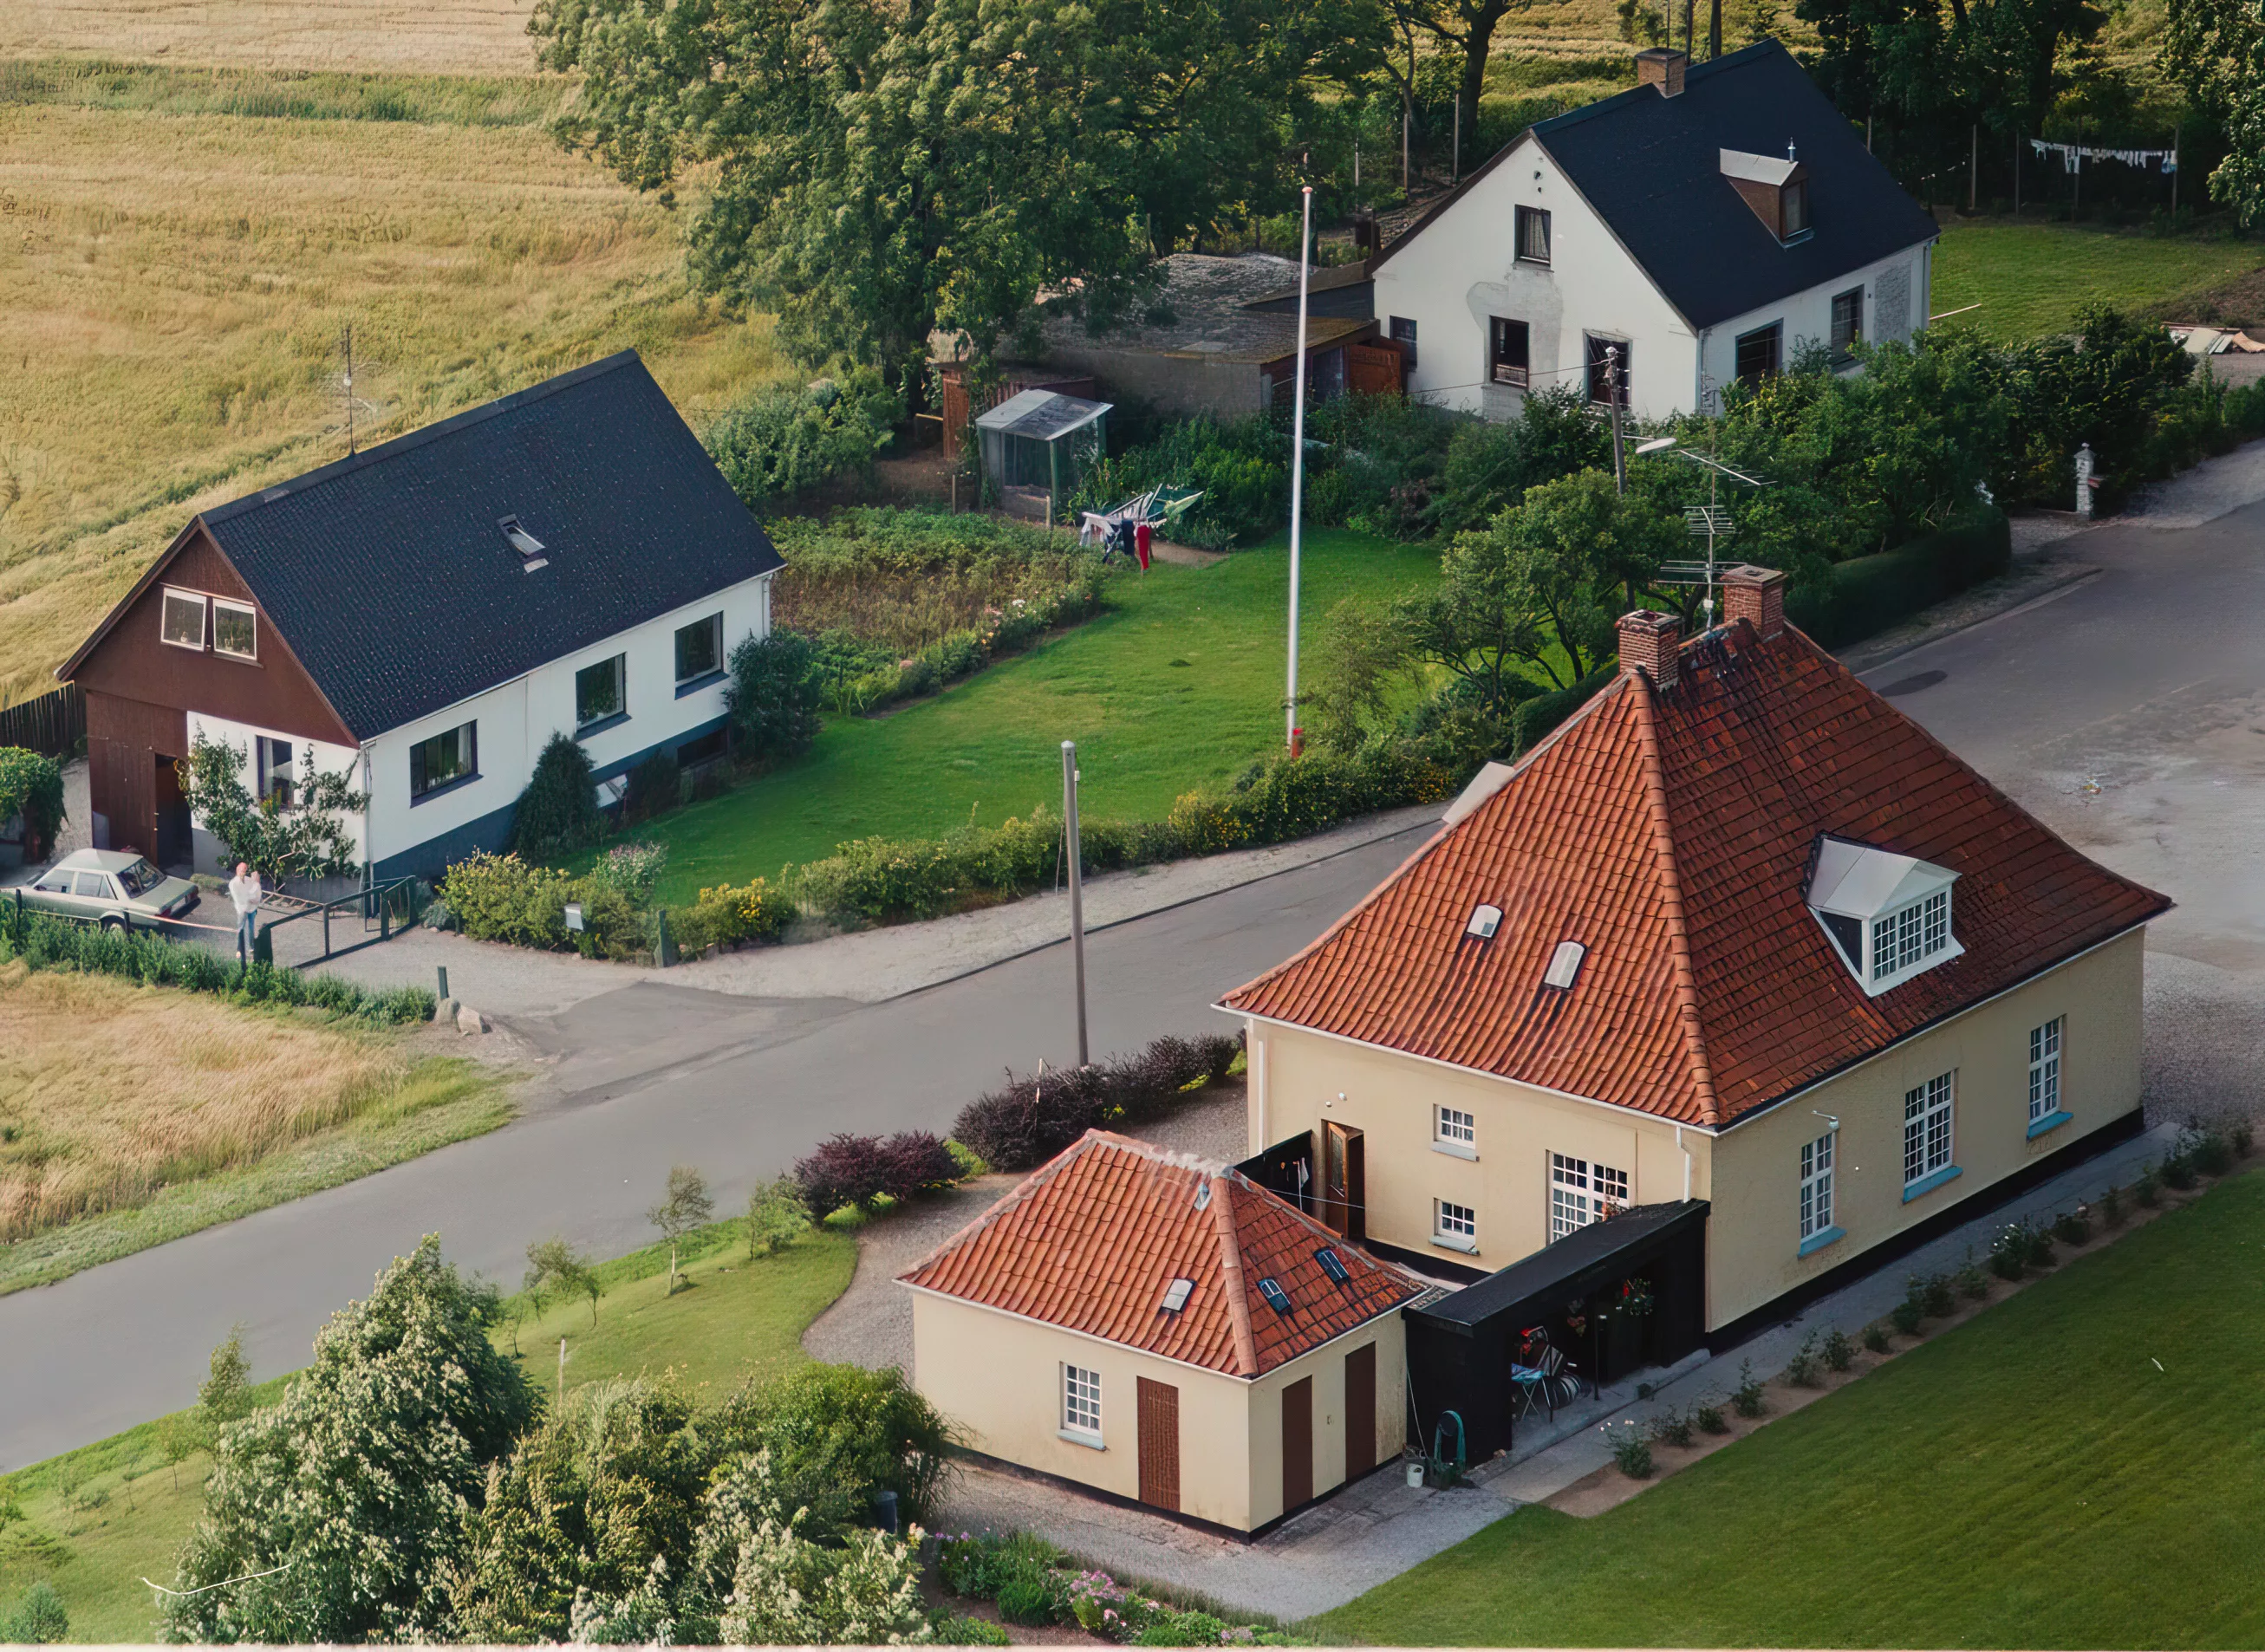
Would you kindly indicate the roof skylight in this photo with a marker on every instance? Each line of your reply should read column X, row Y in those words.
column 1277, row 1298
column 530, row 549
column 1333, row 1265
column 1484, row 921
column 1177, row 1294
column 1564, row 965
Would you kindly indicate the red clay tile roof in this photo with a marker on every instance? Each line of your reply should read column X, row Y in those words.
column 1671, row 834
column 1092, row 1239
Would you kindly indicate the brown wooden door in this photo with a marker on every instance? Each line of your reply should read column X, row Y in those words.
column 1342, row 1177
column 1373, row 369
column 1297, row 1443
column 1360, row 1411
column 1160, row 1445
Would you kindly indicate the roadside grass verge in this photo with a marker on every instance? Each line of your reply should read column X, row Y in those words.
column 2029, row 278
column 2081, row 1465
column 100, row 1518
column 437, row 1100
column 1178, row 683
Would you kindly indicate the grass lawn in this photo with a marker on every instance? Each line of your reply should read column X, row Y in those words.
column 2029, row 278
column 2029, row 1479
column 103, row 1151
column 102, row 1518
column 1178, row 683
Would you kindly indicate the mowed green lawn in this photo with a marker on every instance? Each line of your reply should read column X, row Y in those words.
column 2032, row 1478
column 101, row 1519
column 1179, row 682
column 2030, row 278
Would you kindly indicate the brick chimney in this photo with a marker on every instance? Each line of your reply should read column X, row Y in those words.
column 1648, row 643
column 1756, row 596
column 1662, row 67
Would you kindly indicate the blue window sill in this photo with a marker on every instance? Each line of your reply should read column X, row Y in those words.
column 1818, row 1240
column 694, row 685
column 442, row 789
column 2051, row 1121
column 601, row 725
column 1927, row 1185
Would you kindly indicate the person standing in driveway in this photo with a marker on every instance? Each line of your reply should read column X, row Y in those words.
column 243, row 889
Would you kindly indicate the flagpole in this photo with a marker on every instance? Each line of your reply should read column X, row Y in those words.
column 1297, row 468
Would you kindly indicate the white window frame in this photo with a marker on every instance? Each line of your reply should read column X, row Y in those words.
column 204, row 617
column 621, row 664
column 249, row 613
column 1080, row 1403
column 1907, row 939
column 1930, row 1129
column 1582, row 1192
column 1455, row 1132
column 2045, row 1044
column 1817, row 1186
column 1454, row 1226
column 714, row 622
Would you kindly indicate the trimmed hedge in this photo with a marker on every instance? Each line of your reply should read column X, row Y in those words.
column 1033, row 1118
column 45, row 942
column 1868, row 594
column 502, row 898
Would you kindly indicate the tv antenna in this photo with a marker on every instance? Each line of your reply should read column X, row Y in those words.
column 1712, row 521
column 354, row 409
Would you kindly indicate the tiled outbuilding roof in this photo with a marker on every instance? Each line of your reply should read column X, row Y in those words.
column 1671, row 833
column 1093, row 1240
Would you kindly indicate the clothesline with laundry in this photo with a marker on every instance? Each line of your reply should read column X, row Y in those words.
column 2073, row 155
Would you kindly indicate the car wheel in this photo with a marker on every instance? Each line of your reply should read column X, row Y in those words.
column 113, row 921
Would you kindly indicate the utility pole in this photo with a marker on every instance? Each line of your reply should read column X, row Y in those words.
column 1292, row 733
column 1076, row 889
column 2177, row 132
column 1403, row 146
column 1455, row 153
column 1973, row 166
column 1613, row 388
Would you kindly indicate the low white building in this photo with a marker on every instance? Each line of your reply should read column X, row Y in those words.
column 426, row 615
column 1703, row 228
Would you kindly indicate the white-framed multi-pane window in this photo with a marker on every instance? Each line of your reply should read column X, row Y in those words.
column 2044, row 1069
column 235, row 628
column 1455, row 1128
column 1817, row 1186
column 1581, row 1192
column 1454, row 1225
column 1080, row 1412
column 182, row 619
column 1904, row 939
column 1927, row 1133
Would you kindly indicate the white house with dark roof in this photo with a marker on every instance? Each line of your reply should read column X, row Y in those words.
column 1707, row 225
column 427, row 615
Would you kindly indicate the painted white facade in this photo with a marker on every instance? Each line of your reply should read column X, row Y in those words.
column 1460, row 270
column 514, row 720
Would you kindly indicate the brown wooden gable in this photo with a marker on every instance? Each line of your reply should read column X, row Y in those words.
column 128, row 658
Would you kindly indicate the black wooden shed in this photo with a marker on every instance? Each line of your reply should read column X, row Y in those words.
column 1580, row 1292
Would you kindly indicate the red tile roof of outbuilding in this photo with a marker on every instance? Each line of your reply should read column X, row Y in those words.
column 1671, row 833
column 1092, row 1239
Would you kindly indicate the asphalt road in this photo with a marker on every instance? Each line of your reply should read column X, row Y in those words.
column 649, row 1076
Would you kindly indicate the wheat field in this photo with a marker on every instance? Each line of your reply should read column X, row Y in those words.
column 462, row 37
column 178, row 285
column 109, row 1091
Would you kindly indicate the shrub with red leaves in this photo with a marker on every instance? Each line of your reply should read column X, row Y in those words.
column 1031, row 1119
column 915, row 1162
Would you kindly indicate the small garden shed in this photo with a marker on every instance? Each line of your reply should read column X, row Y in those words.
column 1042, row 440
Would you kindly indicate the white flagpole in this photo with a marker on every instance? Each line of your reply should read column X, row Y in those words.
column 1298, row 464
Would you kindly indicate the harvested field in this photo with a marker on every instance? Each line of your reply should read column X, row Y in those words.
column 110, row 1092
column 452, row 36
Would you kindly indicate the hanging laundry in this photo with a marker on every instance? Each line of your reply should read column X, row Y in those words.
column 2073, row 155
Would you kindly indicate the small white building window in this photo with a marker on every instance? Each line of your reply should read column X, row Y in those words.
column 1081, row 1402
column 2044, row 1069
column 1927, row 1134
column 182, row 623
column 236, row 629
column 1581, row 1192
column 1455, row 1126
column 1454, row 1225
column 1817, row 1186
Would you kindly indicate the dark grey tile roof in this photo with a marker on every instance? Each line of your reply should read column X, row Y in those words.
column 1651, row 165
column 392, row 584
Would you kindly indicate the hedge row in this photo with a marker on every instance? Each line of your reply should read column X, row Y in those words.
column 45, row 942
column 1868, row 594
column 1031, row 1119
column 882, row 880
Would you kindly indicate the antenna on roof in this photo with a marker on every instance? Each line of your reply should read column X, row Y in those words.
column 350, row 384
column 345, row 348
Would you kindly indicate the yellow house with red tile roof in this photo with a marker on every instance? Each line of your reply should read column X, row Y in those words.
column 1738, row 931
column 1164, row 1331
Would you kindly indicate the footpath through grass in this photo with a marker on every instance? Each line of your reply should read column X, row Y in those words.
column 2032, row 1478
column 1180, row 682
column 99, row 1519
column 2029, row 278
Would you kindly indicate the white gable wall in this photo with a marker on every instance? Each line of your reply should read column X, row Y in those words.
column 1460, row 271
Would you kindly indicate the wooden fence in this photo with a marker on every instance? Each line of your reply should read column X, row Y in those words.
column 52, row 726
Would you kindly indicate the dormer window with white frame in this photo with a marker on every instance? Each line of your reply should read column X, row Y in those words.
column 1887, row 915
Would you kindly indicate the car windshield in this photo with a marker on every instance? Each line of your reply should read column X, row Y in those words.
column 139, row 878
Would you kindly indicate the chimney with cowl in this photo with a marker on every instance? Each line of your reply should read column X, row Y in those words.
column 1649, row 645
column 1756, row 596
column 1662, row 67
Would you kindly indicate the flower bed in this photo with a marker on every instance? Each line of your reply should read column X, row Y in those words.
column 1037, row 1586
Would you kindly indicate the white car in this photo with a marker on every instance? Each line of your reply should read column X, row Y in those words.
column 109, row 888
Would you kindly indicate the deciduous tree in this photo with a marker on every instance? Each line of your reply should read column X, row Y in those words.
column 683, row 1207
